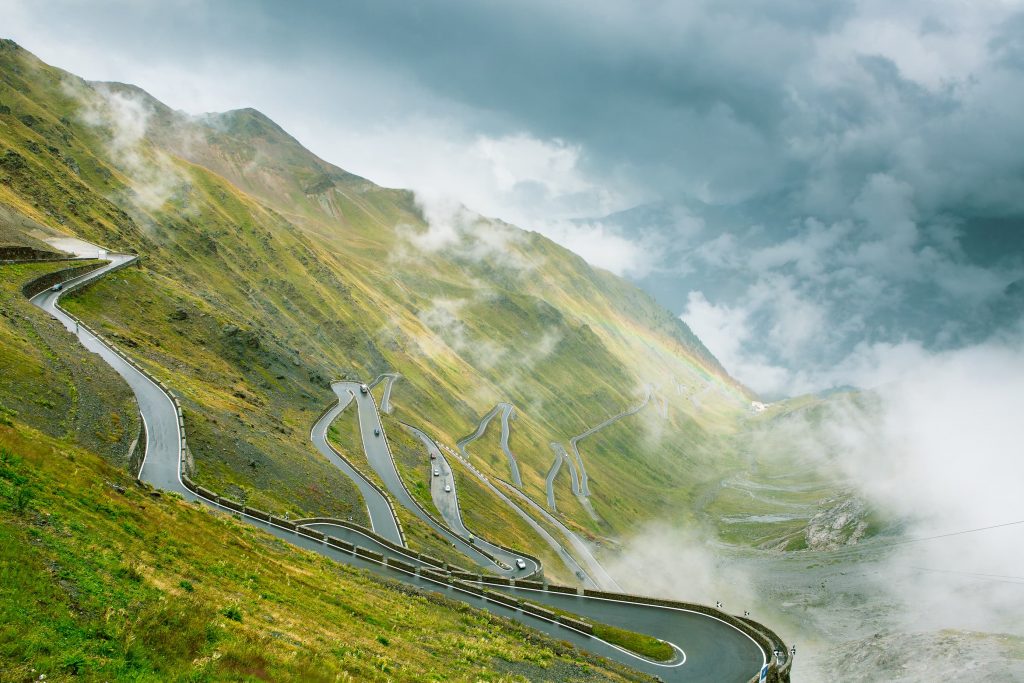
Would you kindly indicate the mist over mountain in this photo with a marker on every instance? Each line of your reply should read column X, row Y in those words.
column 795, row 305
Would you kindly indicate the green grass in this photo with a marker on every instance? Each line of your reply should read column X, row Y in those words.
column 121, row 586
column 642, row 644
column 639, row 643
column 48, row 381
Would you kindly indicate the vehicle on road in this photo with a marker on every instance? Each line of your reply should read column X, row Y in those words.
column 437, row 472
column 57, row 287
column 447, row 488
column 363, row 389
column 521, row 563
column 376, row 432
column 433, row 456
column 472, row 538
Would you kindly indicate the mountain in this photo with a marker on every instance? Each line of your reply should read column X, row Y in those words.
column 268, row 271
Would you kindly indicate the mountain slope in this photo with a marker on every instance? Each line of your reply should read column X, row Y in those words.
column 268, row 271
column 103, row 580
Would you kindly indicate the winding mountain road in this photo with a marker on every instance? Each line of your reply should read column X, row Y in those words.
column 382, row 519
column 574, row 441
column 580, row 482
column 447, row 503
column 507, row 412
column 378, row 454
column 549, row 480
column 593, row 567
column 708, row 649
column 568, row 560
column 389, row 379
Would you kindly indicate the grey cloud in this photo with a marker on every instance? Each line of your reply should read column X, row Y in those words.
column 868, row 154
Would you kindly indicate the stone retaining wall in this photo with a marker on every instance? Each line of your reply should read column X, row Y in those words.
column 44, row 282
column 369, row 554
column 340, row 544
column 496, row 580
column 501, row 598
column 436, row 576
column 469, row 587
column 282, row 523
column 403, row 566
column 428, row 559
column 258, row 514
column 230, row 504
column 577, row 624
column 530, row 608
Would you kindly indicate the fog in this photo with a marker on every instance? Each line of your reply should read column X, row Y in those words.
column 936, row 452
column 122, row 120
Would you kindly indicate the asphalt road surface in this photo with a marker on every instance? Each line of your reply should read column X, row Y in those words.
column 389, row 379
column 447, row 503
column 574, row 441
column 163, row 442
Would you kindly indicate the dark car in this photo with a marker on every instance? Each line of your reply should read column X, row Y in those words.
column 376, row 432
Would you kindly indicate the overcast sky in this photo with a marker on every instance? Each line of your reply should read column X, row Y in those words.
column 857, row 145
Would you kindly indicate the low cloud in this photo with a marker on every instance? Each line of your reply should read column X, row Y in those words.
column 654, row 561
column 934, row 452
column 443, row 319
column 601, row 246
column 458, row 232
column 122, row 119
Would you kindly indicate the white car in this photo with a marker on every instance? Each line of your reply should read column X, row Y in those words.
column 447, row 488
column 57, row 287
column 437, row 472
column 363, row 389
column 520, row 563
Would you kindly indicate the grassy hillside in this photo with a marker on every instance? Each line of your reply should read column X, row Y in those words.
column 101, row 580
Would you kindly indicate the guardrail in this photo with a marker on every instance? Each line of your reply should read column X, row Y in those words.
column 492, row 558
column 75, row 272
column 763, row 641
column 44, row 282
